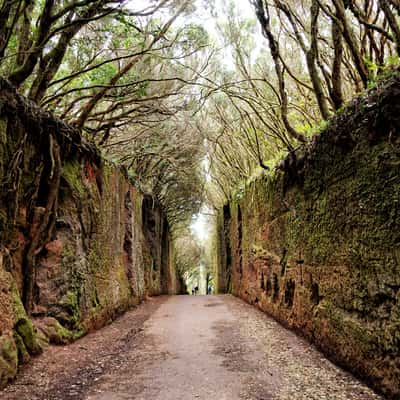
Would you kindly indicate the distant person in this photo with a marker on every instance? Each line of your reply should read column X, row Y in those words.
column 209, row 290
column 193, row 291
column 196, row 289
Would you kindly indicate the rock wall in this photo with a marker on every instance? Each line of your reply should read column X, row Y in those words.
column 316, row 243
column 78, row 244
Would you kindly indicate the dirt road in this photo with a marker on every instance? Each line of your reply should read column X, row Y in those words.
column 187, row 347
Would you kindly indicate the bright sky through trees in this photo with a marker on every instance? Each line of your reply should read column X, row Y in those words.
column 200, row 227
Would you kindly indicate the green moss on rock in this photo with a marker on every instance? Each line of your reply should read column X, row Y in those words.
column 54, row 331
column 71, row 172
column 23, row 354
column 27, row 331
column 18, row 308
column 8, row 359
column 70, row 301
column 23, row 325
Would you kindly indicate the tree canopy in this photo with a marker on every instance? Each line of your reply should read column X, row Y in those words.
column 187, row 108
column 314, row 57
column 124, row 75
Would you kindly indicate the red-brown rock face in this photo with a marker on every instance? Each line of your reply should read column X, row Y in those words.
column 317, row 245
column 78, row 243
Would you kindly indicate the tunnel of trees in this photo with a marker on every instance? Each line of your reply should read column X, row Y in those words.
column 192, row 99
column 149, row 84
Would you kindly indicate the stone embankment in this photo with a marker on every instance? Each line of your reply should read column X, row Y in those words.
column 78, row 243
column 316, row 243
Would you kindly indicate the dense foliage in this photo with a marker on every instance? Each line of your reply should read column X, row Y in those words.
column 314, row 56
column 122, row 73
column 166, row 95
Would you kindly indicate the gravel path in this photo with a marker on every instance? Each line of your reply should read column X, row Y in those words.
column 187, row 347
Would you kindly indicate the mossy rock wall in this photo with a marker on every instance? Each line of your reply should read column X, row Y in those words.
column 316, row 243
column 74, row 230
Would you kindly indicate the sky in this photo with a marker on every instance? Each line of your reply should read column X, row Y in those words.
column 243, row 5
column 201, row 222
column 203, row 15
column 200, row 227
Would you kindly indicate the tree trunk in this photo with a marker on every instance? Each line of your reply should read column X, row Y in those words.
column 28, row 57
column 311, row 57
column 264, row 19
column 351, row 41
column 337, row 39
column 392, row 23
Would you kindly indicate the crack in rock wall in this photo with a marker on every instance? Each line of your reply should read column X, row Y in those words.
column 316, row 243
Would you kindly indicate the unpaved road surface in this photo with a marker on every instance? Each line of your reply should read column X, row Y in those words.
column 183, row 348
